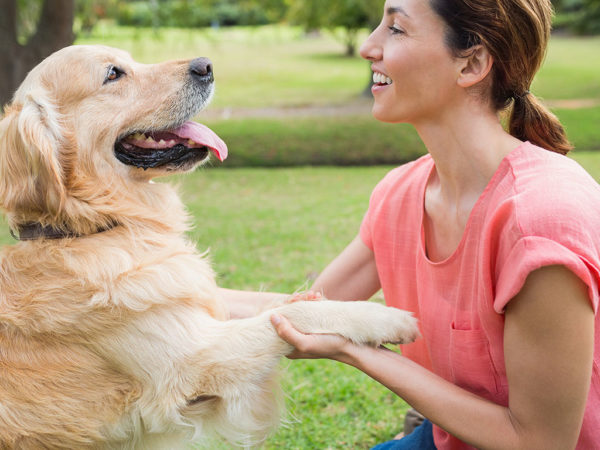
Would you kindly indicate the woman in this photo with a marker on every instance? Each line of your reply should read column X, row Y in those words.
column 492, row 238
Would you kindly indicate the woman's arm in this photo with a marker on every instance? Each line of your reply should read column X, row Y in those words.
column 549, row 342
column 243, row 304
column 350, row 276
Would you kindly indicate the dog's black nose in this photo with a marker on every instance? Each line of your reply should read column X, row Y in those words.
column 201, row 70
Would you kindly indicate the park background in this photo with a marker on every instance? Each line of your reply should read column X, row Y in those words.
column 292, row 104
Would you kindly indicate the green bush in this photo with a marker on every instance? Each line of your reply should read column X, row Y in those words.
column 185, row 14
column 346, row 141
column 352, row 140
column 580, row 16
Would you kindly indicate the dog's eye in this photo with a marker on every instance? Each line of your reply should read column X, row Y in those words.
column 114, row 73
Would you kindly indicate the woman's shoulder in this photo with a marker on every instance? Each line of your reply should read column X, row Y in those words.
column 407, row 174
column 546, row 212
column 549, row 191
column 533, row 166
column 402, row 183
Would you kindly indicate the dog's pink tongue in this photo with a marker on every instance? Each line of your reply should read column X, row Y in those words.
column 201, row 134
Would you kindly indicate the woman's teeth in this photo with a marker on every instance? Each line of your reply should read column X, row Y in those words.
column 379, row 78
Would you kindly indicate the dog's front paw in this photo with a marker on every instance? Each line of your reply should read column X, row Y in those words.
column 362, row 322
column 385, row 325
column 394, row 326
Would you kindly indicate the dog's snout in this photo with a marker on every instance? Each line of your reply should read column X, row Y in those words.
column 201, row 70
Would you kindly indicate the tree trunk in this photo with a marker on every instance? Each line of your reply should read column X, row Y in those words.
column 351, row 39
column 54, row 31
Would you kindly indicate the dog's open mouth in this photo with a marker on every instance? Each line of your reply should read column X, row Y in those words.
column 175, row 148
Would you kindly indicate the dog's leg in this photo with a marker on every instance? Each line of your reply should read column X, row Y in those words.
column 235, row 386
column 361, row 322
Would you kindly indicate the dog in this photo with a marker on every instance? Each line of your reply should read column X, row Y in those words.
column 112, row 333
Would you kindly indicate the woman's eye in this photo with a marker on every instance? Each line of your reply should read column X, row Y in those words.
column 396, row 30
column 114, row 73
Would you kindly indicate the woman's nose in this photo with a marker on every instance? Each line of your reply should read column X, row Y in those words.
column 370, row 48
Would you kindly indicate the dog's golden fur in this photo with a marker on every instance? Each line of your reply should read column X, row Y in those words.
column 117, row 338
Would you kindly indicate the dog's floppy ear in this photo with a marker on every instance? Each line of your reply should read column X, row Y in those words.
column 30, row 171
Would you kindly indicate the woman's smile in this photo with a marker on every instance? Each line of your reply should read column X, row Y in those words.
column 380, row 82
column 381, row 79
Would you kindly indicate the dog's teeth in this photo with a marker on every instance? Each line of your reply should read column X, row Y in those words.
column 162, row 142
column 150, row 139
column 190, row 142
column 171, row 143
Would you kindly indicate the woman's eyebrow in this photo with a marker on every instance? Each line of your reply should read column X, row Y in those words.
column 396, row 10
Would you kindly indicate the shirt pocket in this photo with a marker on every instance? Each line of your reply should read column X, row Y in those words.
column 472, row 367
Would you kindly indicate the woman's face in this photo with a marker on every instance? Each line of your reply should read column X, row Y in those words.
column 414, row 71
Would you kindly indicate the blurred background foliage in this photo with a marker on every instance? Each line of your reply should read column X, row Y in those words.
column 295, row 54
column 576, row 16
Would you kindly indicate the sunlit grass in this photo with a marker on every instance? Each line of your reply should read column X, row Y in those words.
column 279, row 65
column 571, row 69
column 264, row 66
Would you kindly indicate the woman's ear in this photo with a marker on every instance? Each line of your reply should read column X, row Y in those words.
column 476, row 66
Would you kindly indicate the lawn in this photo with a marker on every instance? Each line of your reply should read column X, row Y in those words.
column 264, row 66
column 280, row 66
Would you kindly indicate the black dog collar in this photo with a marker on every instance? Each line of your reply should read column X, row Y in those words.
column 35, row 230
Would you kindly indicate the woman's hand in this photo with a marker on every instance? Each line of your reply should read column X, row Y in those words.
column 311, row 346
column 305, row 296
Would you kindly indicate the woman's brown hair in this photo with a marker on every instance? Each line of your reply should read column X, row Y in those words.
column 516, row 33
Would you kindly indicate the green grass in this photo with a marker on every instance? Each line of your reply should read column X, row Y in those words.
column 278, row 65
column 263, row 66
column 571, row 69
column 288, row 222
column 582, row 127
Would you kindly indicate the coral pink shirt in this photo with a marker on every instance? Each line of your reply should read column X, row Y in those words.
column 539, row 209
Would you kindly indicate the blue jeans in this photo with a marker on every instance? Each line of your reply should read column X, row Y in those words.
column 420, row 439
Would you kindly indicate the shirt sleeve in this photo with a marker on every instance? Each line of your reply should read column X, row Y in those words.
column 534, row 252
column 365, row 230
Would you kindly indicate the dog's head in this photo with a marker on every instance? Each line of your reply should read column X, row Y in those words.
column 89, row 127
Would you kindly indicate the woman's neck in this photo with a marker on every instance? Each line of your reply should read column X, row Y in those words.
column 467, row 146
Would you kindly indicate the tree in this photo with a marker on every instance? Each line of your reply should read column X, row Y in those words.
column 343, row 18
column 54, row 30
column 88, row 13
column 579, row 16
column 588, row 20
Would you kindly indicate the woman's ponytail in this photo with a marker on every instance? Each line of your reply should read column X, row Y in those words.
column 516, row 33
column 531, row 121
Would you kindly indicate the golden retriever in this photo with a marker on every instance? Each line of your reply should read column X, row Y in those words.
column 112, row 334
